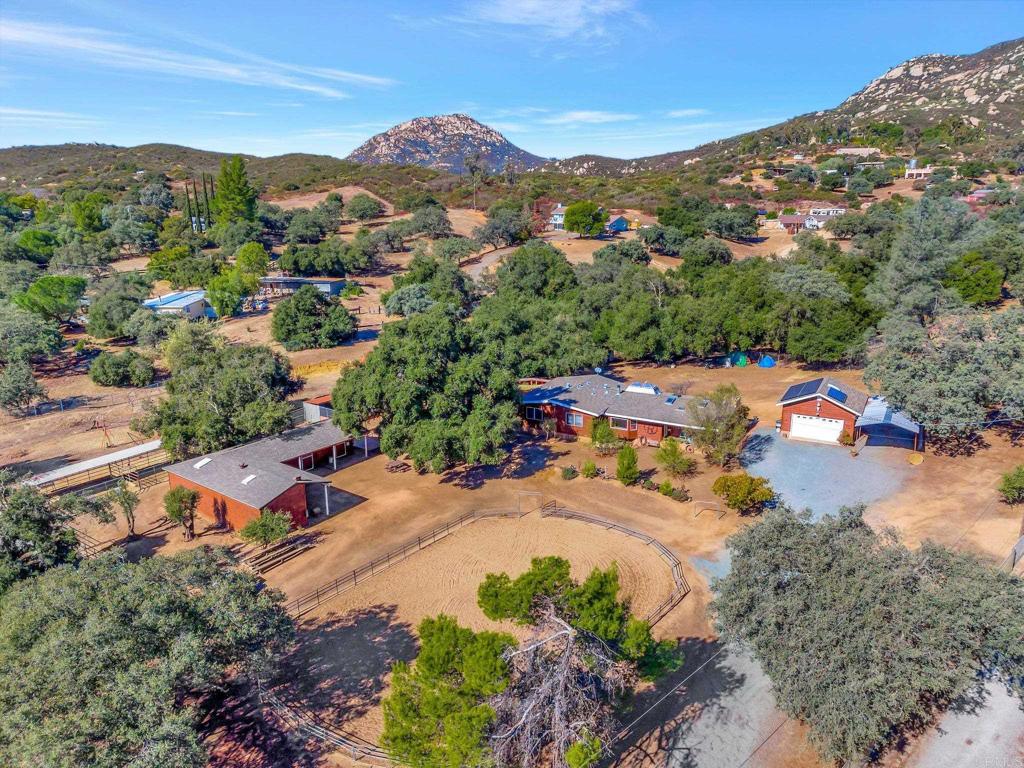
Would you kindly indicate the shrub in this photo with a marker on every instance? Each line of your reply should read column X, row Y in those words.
column 648, row 485
column 846, row 438
column 666, row 489
column 269, row 527
column 671, row 458
column 601, row 433
column 1012, row 486
column 627, row 470
column 126, row 369
column 352, row 290
column 743, row 492
column 569, row 473
column 589, row 469
column 680, row 494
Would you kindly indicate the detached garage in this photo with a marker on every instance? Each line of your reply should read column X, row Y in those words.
column 825, row 409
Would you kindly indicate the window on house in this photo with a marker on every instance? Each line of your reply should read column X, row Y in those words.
column 574, row 419
column 617, row 423
column 534, row 414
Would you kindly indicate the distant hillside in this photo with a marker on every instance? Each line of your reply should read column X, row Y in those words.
column 105, row 164
column 444, row 142
column 982, row 92
column 983, row 89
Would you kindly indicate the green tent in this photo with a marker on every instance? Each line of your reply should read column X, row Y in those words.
column 739, row 359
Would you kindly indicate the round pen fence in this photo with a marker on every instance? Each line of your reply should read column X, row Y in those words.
column 301, row 720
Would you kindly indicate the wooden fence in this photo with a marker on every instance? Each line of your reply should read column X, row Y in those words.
column 308, row 723
column 300, row 719
column 681, row 586
column 307, row 602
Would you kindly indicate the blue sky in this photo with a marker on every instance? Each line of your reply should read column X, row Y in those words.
column 619, row 77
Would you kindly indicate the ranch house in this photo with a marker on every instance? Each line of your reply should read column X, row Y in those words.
column 635, row 411
column 825, row 409
column 274, row 473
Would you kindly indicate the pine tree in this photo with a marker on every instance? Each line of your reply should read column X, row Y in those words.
column 235, row 198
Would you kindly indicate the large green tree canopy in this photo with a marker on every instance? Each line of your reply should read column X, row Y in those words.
column 104, row 664
column 218, row 394
column 442, row 394
column 861, row 637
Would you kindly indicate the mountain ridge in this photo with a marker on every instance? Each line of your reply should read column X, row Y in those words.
column 978, row 95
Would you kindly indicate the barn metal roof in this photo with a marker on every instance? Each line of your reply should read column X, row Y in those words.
column 878, row 411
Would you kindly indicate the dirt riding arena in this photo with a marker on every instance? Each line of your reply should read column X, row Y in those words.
column 348, row 644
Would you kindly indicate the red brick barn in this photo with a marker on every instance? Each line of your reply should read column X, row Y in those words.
column 825, row 409
column 236, row 484
column 638, row 410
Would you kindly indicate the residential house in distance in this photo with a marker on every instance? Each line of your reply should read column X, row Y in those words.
column 236, row 484
column 637, row 410
column 858, row 151
column 826, row 409
column 283, row 285
column 617, row 223
column 792, row 222
column 189, row 304
column 915, row 173
column 557, row 218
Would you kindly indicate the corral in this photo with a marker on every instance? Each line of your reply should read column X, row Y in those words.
column 339, row 672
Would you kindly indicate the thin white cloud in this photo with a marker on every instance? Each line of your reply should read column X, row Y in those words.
column 588, row 116
column 230, row 113
column 692, row 112
column 30, row 118
column 102, row 49
column 577, row 19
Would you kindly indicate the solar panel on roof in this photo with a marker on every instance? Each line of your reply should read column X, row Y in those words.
column 837, row 394
column 802, row 390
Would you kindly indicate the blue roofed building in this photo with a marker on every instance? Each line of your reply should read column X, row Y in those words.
column 189, row 304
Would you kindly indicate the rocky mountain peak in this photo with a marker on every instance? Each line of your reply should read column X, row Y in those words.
column 444, row 142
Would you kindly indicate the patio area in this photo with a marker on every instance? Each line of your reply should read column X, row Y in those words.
column 823, row 477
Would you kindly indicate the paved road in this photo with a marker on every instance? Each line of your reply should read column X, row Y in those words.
column 990, row 737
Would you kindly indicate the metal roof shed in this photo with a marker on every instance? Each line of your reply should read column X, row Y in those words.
column 884, row 425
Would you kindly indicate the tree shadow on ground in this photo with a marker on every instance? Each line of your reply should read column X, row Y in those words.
column 756, row 448
column 241, row 734
column 958, row 445
column 339, row 665
column 146, row 543
column 527, row 456
column 660, row 736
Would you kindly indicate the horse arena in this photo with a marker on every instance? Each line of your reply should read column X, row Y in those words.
column 347, row 643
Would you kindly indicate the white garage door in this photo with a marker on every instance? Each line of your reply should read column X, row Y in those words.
column 816, row 428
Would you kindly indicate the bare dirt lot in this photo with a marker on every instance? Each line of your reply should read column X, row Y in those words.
column 352, row 640
column 310, row 199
